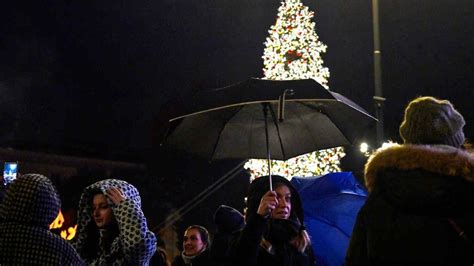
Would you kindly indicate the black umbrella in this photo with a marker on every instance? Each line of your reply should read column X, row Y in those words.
column 251, row 118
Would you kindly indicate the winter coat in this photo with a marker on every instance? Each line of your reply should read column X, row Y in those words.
column 414, row 190
column 202, row 259
column 30, row 205
column 132, row 244
column 260, row 242
column 228, row 222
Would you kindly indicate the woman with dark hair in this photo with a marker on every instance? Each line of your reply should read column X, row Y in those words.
column 111, row 226
column 274, row 233
column 196, row 244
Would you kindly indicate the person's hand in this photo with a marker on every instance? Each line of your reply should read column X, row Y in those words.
column 115, row 195
column 268, row 203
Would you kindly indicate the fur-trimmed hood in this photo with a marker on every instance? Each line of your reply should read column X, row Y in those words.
column 439, row 159
column 422, row 176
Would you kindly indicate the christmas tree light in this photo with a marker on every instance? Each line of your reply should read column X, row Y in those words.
column 293, row 51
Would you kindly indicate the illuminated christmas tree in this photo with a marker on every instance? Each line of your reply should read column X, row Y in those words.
column 293, row 51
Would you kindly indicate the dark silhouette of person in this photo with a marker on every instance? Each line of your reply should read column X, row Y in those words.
column 30, row 205
column 421, row 194
column 229, row 222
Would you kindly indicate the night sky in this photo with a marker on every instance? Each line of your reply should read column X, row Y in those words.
column 94, row 78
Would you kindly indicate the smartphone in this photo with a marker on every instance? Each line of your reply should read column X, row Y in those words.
column 10, row 171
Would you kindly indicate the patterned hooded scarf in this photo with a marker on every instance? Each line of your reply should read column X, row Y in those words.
column 30, row 205
column 132, row 244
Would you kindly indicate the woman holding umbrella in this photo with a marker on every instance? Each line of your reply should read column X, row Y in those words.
column 274, row 233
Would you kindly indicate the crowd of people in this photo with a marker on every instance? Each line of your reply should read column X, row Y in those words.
column 419, row 211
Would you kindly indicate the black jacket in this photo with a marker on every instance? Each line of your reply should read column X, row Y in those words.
column 229, row 222
column 414, row 190
column 252, row 247
column 202, row 259
column 30, row 205
column 251, row 251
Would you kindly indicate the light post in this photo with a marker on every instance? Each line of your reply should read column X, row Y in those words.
column 378, row 97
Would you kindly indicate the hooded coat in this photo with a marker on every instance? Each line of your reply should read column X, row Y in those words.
column 265, row 241
column 30, row 205
column 131, row 243
column 229, row 222
column 414, row 191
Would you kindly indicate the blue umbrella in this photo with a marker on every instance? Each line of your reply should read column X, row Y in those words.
column 331, row 203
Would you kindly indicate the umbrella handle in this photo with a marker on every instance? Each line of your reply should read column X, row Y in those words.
column 270, row 174
column 281, row 104
column 265, row 115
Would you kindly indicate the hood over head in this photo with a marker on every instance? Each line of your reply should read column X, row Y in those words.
column 85, row 203
column 228, row 219
column 261, row 185
column 31, row 199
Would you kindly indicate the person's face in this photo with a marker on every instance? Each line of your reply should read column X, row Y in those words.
column 101, row 211
column 192, row 242
column 283, row 209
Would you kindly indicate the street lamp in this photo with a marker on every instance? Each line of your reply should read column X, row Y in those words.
column 378, row 97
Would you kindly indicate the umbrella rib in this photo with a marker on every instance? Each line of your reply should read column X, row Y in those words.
column 326, row 114
column 275, row 121
column 342, row 99
column 220, row 132
column 244, row 103
column 306, row 127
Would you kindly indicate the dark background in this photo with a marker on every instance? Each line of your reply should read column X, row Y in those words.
column 100, row 79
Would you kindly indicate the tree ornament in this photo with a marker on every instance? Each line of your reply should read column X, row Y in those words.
column 293, row 51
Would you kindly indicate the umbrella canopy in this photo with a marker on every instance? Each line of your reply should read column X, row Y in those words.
column 331, row 203
column 294, row 116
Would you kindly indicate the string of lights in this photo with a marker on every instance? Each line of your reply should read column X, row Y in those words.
column 293, row 51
